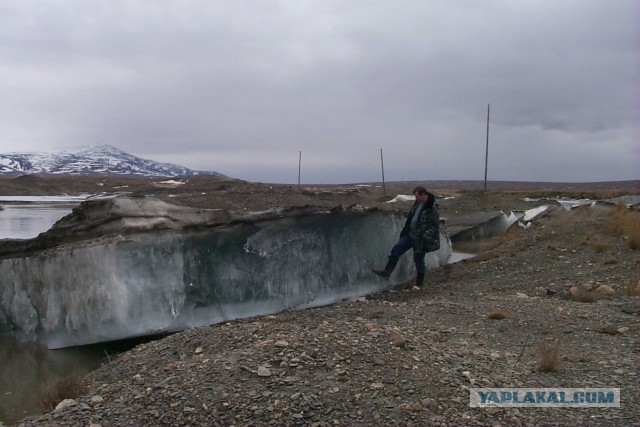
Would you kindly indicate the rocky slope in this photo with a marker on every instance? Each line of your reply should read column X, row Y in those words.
column 406, row 356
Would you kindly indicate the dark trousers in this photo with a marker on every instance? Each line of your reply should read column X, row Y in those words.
column 404, row 244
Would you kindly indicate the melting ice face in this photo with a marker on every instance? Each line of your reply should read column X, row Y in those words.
column 154, row 282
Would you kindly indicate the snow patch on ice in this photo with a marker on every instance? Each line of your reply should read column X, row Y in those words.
column 532, row 213
column 569, row 204
column 402, row 198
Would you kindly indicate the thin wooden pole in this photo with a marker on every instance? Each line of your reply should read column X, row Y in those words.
column 384, row 190
column 486, row 155
column 299, row 164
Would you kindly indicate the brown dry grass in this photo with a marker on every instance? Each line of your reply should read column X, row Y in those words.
column 485, row 251
column 580, row 294
column 70, row 387
column 548, row 356
column 498, row 314
column 632, row 288
column 600, row 245
column 627, row 223
column 481, row 257
column 511, row 234
column 556, row 247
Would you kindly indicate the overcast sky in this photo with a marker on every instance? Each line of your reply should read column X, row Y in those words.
column 241, row 87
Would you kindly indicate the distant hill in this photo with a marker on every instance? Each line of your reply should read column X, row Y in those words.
column 90, row 160
column 528, row 185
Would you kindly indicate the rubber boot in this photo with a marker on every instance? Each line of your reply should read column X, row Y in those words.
column 387, row 270
column 420, row 279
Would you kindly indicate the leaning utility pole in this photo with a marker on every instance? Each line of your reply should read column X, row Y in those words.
column 299, row 164
column 384, row 191
column 486, row 156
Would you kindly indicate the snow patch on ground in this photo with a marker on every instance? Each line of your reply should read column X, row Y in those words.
column 172, row 182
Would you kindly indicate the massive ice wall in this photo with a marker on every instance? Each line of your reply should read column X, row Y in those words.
column 149, row 282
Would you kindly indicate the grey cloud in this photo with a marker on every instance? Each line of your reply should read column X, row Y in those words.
column 241, row 86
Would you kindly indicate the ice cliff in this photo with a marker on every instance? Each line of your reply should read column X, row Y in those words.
column 135, row 266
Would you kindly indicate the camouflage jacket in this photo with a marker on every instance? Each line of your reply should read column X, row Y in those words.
column 428, row 228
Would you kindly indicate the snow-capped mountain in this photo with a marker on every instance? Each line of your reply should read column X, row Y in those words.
column 93, row 160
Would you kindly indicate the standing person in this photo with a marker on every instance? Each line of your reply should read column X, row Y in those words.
column 421, row 232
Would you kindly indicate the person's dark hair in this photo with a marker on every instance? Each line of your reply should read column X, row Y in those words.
column 420, row 190
column 431, row 199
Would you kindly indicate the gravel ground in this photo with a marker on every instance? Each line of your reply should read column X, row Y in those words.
column 405, row 356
